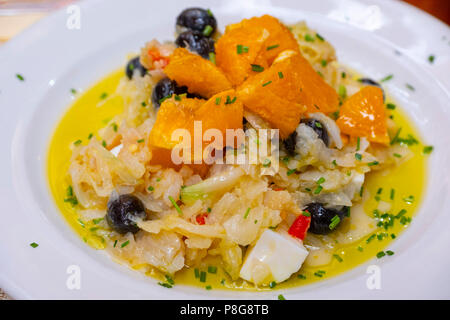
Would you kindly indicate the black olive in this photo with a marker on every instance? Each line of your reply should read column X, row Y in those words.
column 165, row 88
column 370, row 82
column 132, row 65
column 290, row 142
column 196, row 19
column 196, row 42
column 321, row 217
column 318, row 128
column 122, row 213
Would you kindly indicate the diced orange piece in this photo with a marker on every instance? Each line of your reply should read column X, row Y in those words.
column 173, row 115
column 275, row 95
column 201, row 76
column 261, row 40
column 163, row 157
column 222, row 111
column 363, row 115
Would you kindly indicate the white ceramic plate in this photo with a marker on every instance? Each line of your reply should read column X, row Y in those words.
column 375, row 37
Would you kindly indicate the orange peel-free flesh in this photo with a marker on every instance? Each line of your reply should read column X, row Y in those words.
column 199, row 75
column 260, row 39
column 275, row 95
column 364, row 115
column 173, row 115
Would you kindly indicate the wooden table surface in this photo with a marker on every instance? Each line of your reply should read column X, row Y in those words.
column 10, row 25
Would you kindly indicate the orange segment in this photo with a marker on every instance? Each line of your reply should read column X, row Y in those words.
column 363, row 115
column 201, row 76
column 173, row 115
column 315, row 93
column 261, row 40
column 274, row 94
column 222, row 111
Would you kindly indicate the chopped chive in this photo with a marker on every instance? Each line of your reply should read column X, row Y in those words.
column 140, row 140
column 69, row 191
column 241, row 49
column 358, row 156
column 246, row 213
column 389, row 252
column 104, row 143
column 208, row 210
column 391, row 106
column 73, row 91
column 272, row 47
column 393, row 236
column 90, row 136
column 392, row 196
column 143, row 103
column 410, row 87
column 78, row 142
column 208, row 287
column 165, row 285
column 343, row 75
column 175, row 205
column 115, row 127
column 34, row 245
column 318, row 36
column 371, row 238
column 103, row 95
column 342, row 91
column 272, row 284
column 387, row 78
column 380, row 254
column 334, row 222
column 431, row 58
column 321, row 180
column 373, row 163
column 20, row 77
column 361, row 191
column 358, row 143
column 323, row 63
column 212, row 57
column 125, row 244
column 115, row 243
column 409, row 199
column 337, row 257
column 301, row 276
column 150, row 188
column 306, row 213
column 197, row 273
column 202, row 276
column 380, row 190
column 281, row 297
column 396, row 136
column 428, row 149
column 290, row 171
column 318, row 125
column 209, row 12
column 334, row 162
column 207, row 31
column 309, row 38
column 177, row 98
column 400, row 213
column 257, row 68
column 267, row 163
column 280, row 75
column 212, row 269
column 267, row 83
column 360, row 249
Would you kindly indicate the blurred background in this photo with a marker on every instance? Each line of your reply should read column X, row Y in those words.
column 16, row 15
